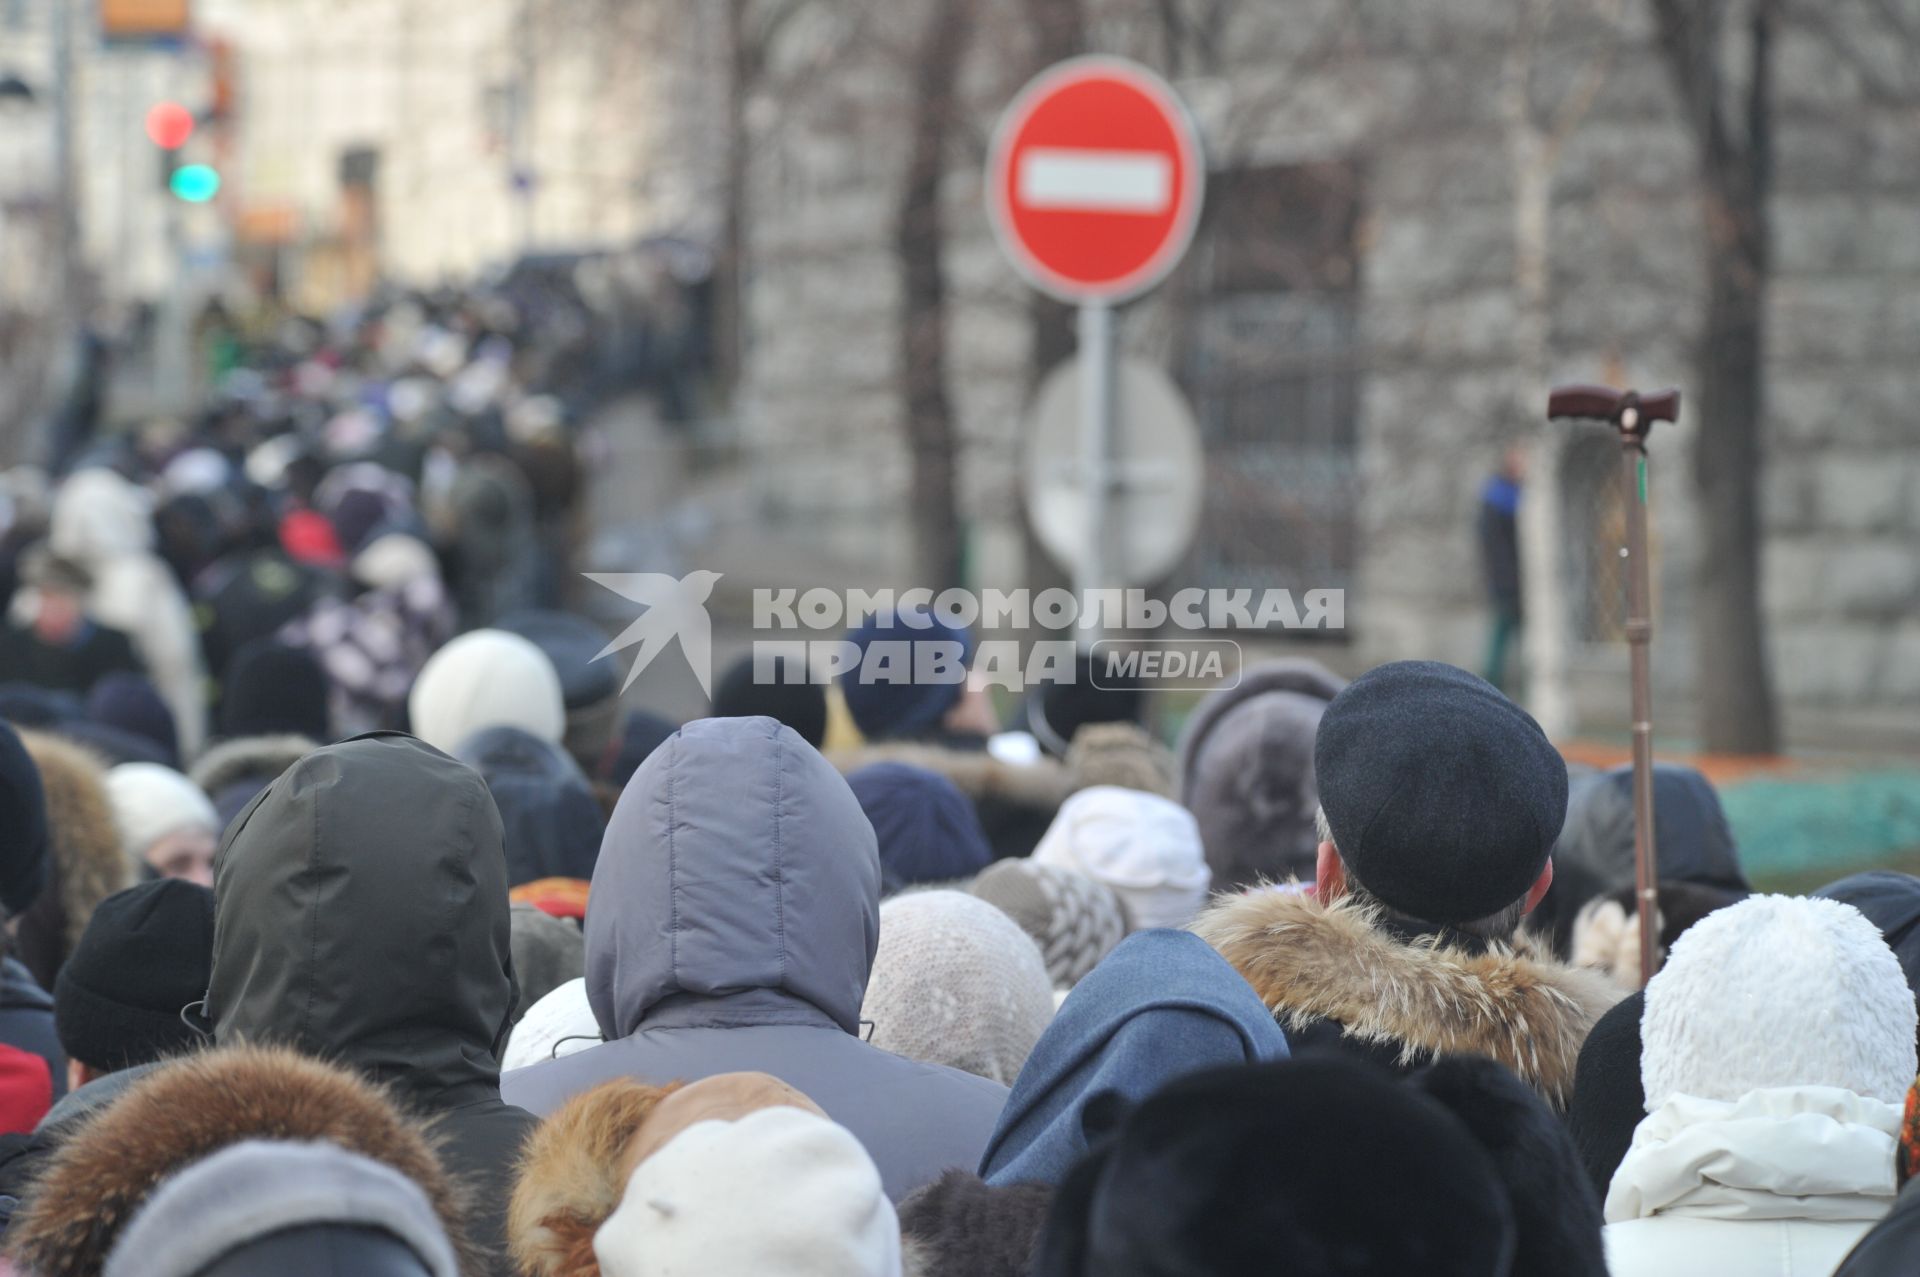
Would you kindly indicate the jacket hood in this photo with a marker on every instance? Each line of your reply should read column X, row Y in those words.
column 1161, row 1005
column 1892, row 1249
column 552, row 820
column 738, row 869
column 182, row 1112
column 361, row 914
column 1689, row 825
column 1804, row 1152
column 1246, row 771
column 1891, row 902
column 1309, row 962
column 254, row 760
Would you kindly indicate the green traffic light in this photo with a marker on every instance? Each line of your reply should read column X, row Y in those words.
column 195, row 183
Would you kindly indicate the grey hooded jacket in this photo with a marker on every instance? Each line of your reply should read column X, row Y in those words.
column 733, row 921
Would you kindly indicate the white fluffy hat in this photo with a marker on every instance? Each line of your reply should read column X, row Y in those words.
column 150, row 801
column 486, row 678
column 1145, row 847
column 779, row 1191
column 1778, row 991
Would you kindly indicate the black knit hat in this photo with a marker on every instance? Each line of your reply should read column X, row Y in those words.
column 801, row 705
column 1311, row 1167
column 23, row 826
column 272, row 690
column 1444, row 797
column 147, row 952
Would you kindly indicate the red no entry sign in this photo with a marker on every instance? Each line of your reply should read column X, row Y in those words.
column 1094, row 180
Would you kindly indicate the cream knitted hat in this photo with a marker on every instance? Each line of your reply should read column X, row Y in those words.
column 1145, row 847
column 956, row 982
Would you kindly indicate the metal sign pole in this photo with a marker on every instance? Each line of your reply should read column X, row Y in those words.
column 1096, row 442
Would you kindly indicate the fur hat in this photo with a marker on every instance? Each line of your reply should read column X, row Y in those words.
column 956, row 982
column 1444, row 797
column 248, row 1194
column 151, row 802
column 1246, row 771
column 177, row 1115
column 959, row 1226
column 927, row 829
column 1146, row 848
column 1121, row 754
column 1779, row 991
column 86, row 864
column 1556, row 1213
column 486, row 678
column 1210, row 1178
column 779, row 1191
column 1075, row 919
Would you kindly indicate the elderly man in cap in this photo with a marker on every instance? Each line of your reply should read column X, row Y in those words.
column 1440, row 801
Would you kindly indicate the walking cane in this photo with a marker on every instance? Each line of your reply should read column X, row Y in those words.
column 1633, row 415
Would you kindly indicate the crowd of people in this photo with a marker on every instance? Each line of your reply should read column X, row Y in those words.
column 356, row 926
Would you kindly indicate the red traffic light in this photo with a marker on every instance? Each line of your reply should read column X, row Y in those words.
column 169, row 125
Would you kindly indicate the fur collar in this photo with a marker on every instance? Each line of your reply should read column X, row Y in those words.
column 1309, row 962
column 573, row 1172
column 182, row 1112
column 249, row 756
column 1042, row 785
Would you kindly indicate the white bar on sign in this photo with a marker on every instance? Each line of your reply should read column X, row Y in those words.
column 1095, row 181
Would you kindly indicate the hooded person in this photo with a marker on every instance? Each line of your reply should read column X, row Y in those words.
column 1440, row 800
column 167, row 823
column 294, row 1209
column 956, row 982
column 105, row 523
column 1146, row 848
column 780, row 1190
column 551, row 817
column 486, row 678
column 577, row 1163
column 272, row 689
column 234, row 771
column 85, row 865
column 589, row 686
column 1777, row 1048
column 1892, row 1247
column 927, row 830
column 800, row 703
column 1246, row 772
column 1210, row 1177
column 1556, row 1212
column 361, row 914
column 95, row 1190
column 1162, row 1005
column 32, row 1067
column 736, row 918
column 1593, row 856
column 1608, row 1100
column 913, row 701
column 1075, row 919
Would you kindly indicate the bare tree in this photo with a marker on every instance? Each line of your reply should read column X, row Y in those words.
column 1725, row 88
column 919, row 239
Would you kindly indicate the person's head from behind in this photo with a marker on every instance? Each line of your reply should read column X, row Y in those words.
column 928, row 830
column 362, row 914
column 145, row 957
column 779, row 688
column 1314, row 1167
column 912, row 679
column 1775, row 992
column 165, row 821
column 486, row 678
column 1439, row 800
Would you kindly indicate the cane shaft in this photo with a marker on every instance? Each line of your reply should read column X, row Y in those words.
column 1646, row 864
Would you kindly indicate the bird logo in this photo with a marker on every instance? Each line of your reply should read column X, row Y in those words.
column 674, row 608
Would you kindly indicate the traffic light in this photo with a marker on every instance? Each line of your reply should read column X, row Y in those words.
column 194, row 183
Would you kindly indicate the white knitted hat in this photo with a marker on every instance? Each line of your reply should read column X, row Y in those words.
column 150, row 802
column 487, row 678
column 957, row 982
column 1145, row 847
column 779, row 1191
column 1778, row 991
